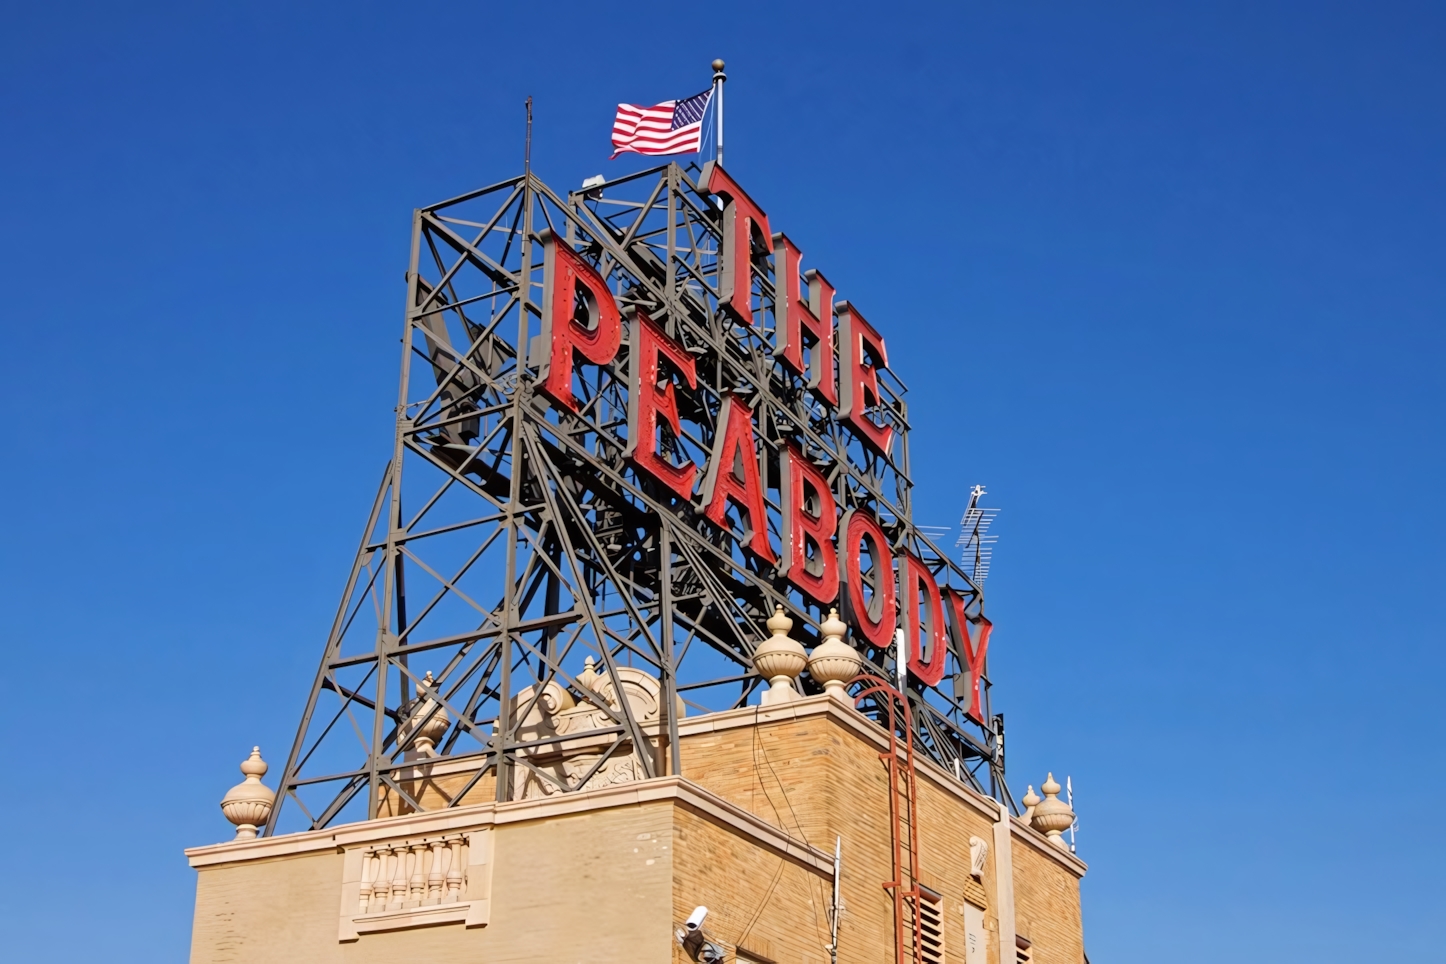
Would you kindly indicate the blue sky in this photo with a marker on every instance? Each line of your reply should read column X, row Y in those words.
column 1167, row 278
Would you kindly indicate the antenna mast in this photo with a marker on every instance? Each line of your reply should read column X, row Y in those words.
column 527, row 144
column 974, row 540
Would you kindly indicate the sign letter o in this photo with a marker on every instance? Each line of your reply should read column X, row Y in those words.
column 873, row 618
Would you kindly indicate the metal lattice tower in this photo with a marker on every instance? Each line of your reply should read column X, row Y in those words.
column 511, row 545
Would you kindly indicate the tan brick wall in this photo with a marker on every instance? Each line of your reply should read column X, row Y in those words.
column 256, row 911
column 757, row 899
column 818, row 779
column 945, row 828
column 285, row 910
column 571, row 888
column 612, row 882
column 1046, row 905
column 563, row 889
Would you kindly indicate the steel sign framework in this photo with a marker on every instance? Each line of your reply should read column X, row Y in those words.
column 515, row 543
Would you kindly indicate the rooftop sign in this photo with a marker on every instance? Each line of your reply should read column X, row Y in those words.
column 630, row 425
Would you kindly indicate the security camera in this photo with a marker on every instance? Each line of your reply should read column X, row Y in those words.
column 690, row 935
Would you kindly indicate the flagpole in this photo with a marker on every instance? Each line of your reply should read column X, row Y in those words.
column 718, row 78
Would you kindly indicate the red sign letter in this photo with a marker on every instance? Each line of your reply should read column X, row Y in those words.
column 861, row 379
column 808, row 516
column 971, row 659
column 915, row 580
column 733, row 475
column 565, row 277
column 793, row 316
column 742, row 219
column 650, row 396
column 874, row 618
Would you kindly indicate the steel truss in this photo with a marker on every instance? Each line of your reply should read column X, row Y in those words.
column 509, row 539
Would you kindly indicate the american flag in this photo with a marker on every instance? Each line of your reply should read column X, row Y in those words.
column 672, row 127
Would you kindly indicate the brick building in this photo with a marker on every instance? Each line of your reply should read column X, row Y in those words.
column 574, row 366
column 747, row 830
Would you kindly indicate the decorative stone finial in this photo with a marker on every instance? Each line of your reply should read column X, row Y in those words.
column 1030, row 801
column 435, row 727
column 1052, row 816
column 587, row 679
column 779, row 659
column 833, row 662
column 249, row 802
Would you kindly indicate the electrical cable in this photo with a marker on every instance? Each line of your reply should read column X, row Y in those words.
column 798, row 825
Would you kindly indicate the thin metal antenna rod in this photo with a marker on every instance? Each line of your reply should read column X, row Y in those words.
column 901, row 659
column 718, row 78
column 1069, row 798
column 527, row 147
column 833, row 911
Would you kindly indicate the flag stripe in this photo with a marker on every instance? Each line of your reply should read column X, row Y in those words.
column 672, row 127
column 681, row 137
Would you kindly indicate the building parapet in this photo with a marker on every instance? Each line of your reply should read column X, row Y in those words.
column 439, row 823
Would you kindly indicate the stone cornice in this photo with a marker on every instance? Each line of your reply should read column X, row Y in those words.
column 678, row 790
column 1038, row 841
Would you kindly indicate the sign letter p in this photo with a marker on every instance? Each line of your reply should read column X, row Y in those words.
column 579, row 315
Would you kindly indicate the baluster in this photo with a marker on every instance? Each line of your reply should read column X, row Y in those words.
column 454, row 870
column 382, row 889
column 399, row 877
column 436, row 879
column 381, row 881
column 364, row 892
column 418, row 880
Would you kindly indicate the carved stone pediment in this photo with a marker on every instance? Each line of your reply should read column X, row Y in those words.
column 557, row 711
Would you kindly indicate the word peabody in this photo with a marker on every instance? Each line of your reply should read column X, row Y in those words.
column 582, row 323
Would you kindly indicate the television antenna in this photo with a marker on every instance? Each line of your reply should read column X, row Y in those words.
column 974, row 540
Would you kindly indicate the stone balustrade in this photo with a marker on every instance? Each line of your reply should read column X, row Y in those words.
column 413, row 873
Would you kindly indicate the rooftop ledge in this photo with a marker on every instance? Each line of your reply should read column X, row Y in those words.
column 675, row 788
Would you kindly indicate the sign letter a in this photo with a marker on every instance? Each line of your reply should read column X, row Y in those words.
column 733, row 476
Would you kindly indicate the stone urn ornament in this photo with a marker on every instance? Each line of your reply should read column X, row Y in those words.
column 779, row 659
column 427, row 735
column 1030, row 801
column 833, row 662
column 1052, row 816
column 249, row 802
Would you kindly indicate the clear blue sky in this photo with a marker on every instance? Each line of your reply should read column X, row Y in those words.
column 1167, row 277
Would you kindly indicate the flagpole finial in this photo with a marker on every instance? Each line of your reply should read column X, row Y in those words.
column 717, row 98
